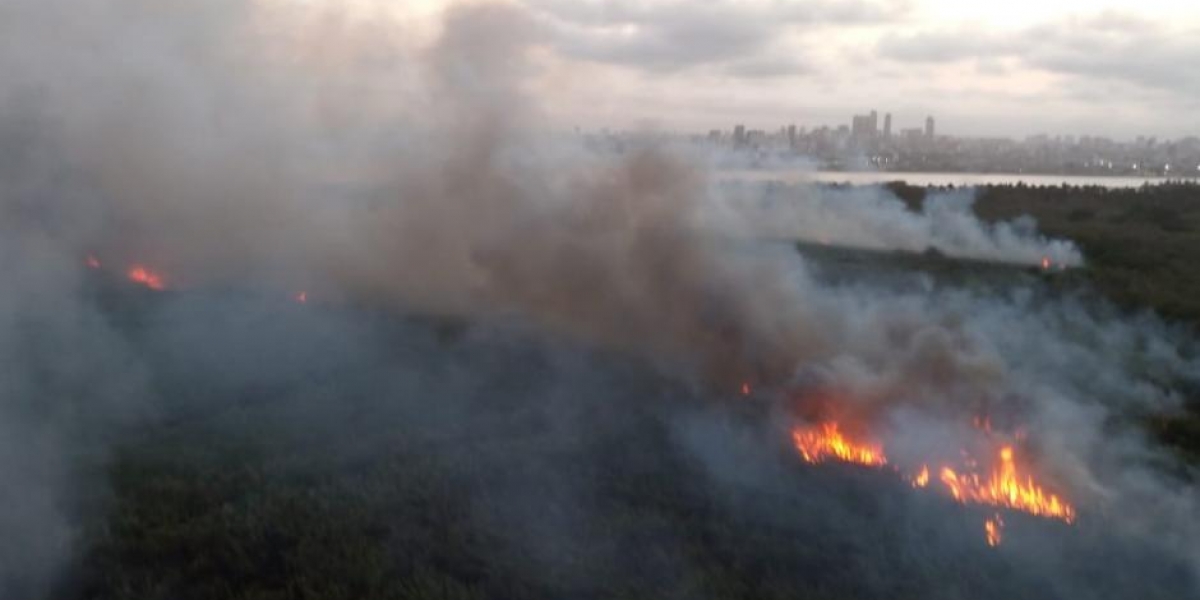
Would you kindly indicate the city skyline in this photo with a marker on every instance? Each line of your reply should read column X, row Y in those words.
column 897, row 127
column 865, row 142
column 1108, row 68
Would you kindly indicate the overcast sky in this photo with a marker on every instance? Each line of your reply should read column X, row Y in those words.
column 1010, row 67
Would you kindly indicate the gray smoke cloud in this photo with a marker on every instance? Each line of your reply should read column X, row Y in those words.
column 214, row 144
column 68, row 379
column 870, row 217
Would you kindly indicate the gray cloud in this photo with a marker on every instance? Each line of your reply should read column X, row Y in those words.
column 743, row 39
column 767, row 67
column 945, row 46
column 1109, row 46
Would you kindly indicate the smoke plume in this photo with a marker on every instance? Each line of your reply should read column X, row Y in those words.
column 870, row 217
column 288, row 146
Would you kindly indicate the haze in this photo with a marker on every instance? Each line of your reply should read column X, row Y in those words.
column 1118, row 69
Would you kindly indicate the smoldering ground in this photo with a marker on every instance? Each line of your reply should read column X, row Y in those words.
column 563, row 415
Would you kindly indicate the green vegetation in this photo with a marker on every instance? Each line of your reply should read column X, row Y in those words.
column 444, row 489
column 1142, row 245
column 1142, row 249
column 204, row 514
column 212, row 509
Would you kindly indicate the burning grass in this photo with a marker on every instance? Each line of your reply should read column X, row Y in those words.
column 147, row 277
column 239, row 490
column 404, row 503
column 828, row 443
column 1005, row 485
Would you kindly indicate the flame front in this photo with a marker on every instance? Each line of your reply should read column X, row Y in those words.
column 817, row 445
column 146, row 277
column 1004, row 487
column 1008, row 488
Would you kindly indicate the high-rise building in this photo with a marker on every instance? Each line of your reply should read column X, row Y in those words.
column 887, row 125
column 929, row 132
column 791, row 136
column 739, row 135
column 865, row 126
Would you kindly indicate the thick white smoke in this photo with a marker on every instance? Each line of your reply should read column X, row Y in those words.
column 870, row 217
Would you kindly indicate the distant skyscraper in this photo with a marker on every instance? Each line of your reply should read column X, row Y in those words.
column 739, row 134
column 887, row 125
column 791, row 135
column 929, row 132
column 865, row 126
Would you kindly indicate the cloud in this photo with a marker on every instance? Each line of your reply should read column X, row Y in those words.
column 768, row 66
column 739, row 38
column 945, row 46
column 1106, row 47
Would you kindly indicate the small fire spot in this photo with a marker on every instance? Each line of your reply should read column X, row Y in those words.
column 146, row 277
column 993, row 528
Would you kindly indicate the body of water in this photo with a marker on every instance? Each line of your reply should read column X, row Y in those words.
column 934, row 179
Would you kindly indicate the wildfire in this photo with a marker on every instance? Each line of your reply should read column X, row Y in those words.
column 1008, row 488
column 146, row 277
column 1005, row 487
column 922, row 478
column 818, row 445
column 992, row 529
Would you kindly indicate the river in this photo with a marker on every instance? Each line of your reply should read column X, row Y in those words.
column 936, row 179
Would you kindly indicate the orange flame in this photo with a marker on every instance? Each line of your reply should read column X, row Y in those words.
column 922, row 478
column 146, row 277
column 92, row 262
column 818, row 445
column 1005, row 487
column 746, row 389
column 1045, row 263
column 993, row 530
column 1008, row 488
column 301, row 297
